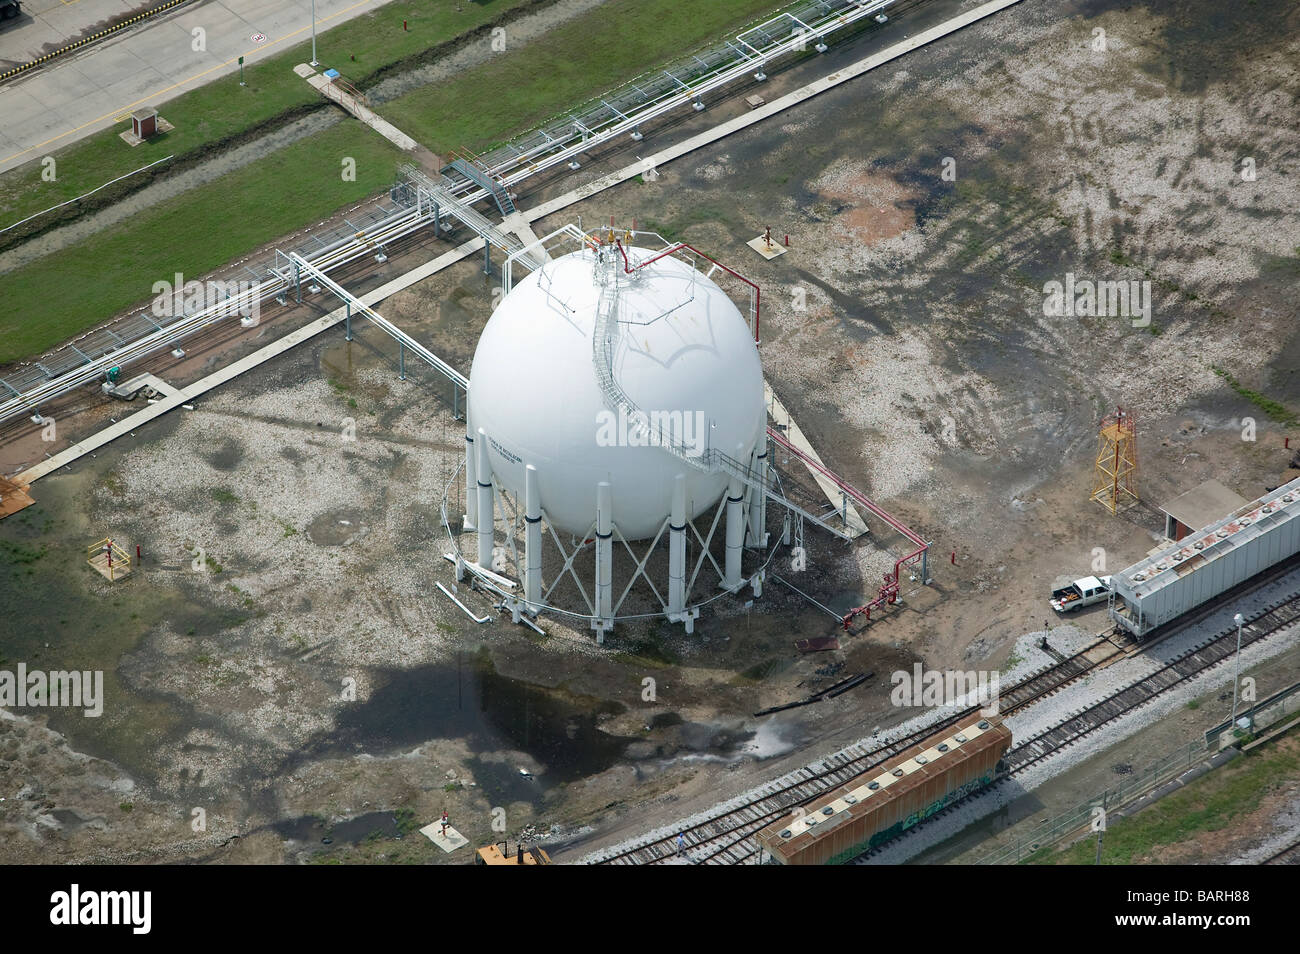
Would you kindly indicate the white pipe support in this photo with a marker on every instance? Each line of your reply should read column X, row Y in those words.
column 532, row 541
column 677, row 547
column 604, row 551
column 486, row 510
column 735, row 534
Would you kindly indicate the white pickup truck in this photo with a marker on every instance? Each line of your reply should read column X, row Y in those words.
column 1081, row 593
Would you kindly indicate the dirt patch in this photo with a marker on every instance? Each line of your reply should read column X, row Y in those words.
column 870, row 205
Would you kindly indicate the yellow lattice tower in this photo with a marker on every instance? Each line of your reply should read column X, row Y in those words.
column 1114, row 483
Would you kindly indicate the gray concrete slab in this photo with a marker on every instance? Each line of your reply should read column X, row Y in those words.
column 144, row 66
column 47, row 24
column 75, row 86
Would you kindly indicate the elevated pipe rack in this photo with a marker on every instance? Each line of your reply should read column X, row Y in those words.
column 622, row 111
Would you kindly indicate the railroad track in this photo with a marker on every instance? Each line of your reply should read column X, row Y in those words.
column 725, row 838
column 1287, row 856
column 1191, row 663
column 1275, row 616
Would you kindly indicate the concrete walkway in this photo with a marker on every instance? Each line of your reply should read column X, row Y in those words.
column 520, row 223
column 175, row 398
column 854, row 524
column 353, row 105
column 145, row 66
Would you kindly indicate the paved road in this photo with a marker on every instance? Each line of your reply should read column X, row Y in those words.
column 145, row 66
column 45, row 25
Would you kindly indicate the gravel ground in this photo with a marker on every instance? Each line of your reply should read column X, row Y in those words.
column 1285, row 834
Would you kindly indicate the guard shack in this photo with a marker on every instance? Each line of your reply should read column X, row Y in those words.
column 144, row 123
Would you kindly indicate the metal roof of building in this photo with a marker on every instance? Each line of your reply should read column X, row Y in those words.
column 1204, row 504
column 1204, row 546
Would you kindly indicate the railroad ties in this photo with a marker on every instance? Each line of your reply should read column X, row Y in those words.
column 727, row 837
column 1191, row 663
column 1287, row 856
column 1045, row 682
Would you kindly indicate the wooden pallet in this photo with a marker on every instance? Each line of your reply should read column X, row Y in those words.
column 13, row 497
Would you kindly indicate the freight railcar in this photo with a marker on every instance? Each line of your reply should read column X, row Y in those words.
column 1205, row 564
column 891, row 798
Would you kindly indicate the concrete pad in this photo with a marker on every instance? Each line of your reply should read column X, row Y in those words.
column 517, row 223
column 138, row 383
column 131, row 93
column 74, row 87
column 120, row 63
column 769, row 252
column 448, row 842
column 39, row 128
column 118, row 570
column 46, row 24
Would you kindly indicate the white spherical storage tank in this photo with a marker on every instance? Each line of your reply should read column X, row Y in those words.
column 682, row 353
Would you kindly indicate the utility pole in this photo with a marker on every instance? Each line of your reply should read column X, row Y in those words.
column 1236, row 672
column 313, row 34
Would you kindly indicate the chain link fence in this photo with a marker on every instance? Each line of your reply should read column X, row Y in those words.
column 1081, row 816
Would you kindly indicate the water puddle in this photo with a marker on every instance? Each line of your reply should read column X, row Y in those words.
column 494, row 714
column 336, row 528
column 372, row 826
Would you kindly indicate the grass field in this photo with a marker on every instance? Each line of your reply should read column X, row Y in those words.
column 1209, row 804
column 300, row 184
column 223, row 110
column 570, row 65
column 66, row 293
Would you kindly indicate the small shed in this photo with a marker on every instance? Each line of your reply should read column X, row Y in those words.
column 144, row 122
column 1201, row 506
